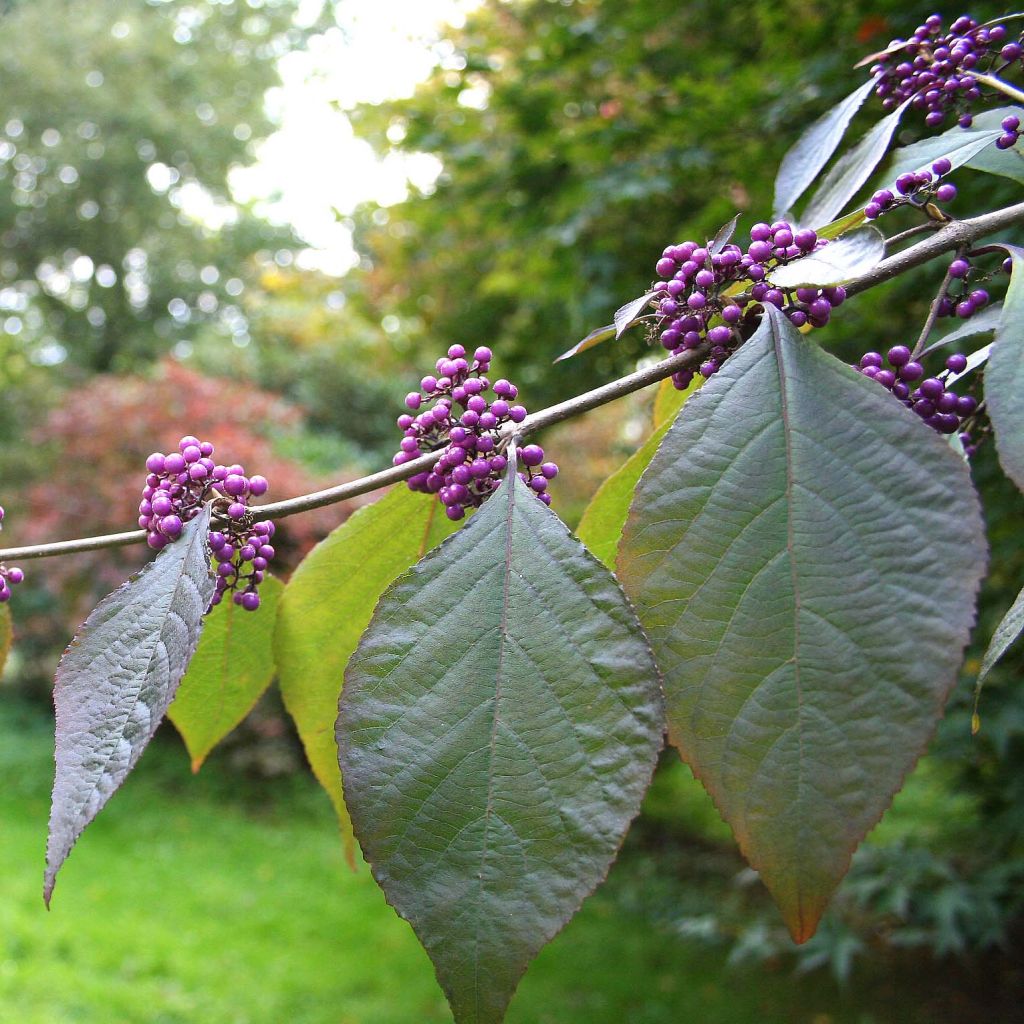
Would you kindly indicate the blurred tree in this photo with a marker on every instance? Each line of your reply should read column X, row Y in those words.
column 578, row 138
column 120, row 124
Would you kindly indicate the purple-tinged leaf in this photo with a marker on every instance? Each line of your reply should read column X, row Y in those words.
column 1007, row 632
column 230, row 670
column 784, row 551
column 986, row 320
column 625, row 316
column 723, row 236
column 856, row 253
column 851, row 170
column 804, row 161
column 498, row 727
column 117, row 678
column 595, row 337
column 325, row 609
column 1004, row 375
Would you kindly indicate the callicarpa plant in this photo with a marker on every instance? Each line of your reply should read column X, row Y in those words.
column 782, row 579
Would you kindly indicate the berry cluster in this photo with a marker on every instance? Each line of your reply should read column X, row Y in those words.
column 716, row 298
column 968, row 300
column 177, row 487
column 452, row 413
column 914, row 188
column 8, row 577
column 933, row 68
column 931, row 399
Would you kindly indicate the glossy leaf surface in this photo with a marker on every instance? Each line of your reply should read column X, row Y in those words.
column 986, row 320
column 1004, row 375
column 783, row 551
column 232, row 666
column 723, row 236
column 960, row 146
column 117, row 678
column 498, row 728
column 1007, row 633
column 804, row 161
column 845, row 178
column 327, row 605
column 854, row 254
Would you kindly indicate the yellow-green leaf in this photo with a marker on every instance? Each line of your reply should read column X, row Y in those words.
column 232, row 666
column 325, row 608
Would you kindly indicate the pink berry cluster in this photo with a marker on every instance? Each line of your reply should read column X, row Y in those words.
column 9, row 577
column 177, row 486
column 929, row 397
column 452, row 413
column 933, row 68
column 915, row 188
column 717, row 298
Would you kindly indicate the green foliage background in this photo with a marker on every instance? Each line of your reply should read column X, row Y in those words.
column 610, row 128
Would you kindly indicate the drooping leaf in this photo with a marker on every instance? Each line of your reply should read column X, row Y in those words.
column 1004, row 375
column 723, row 236
column 783, row 551
column 498, row 727
column 848, row 257
column 6, row 633
column 959, row 145
column 595, row 337
column 327, row 605
column 804, row 161
column 601, row 525
column 986, row 320
column 625, row 316
column 232, row 666
column 1007, row 632
column 844, row 180
column 117, row 678
column 668, row 400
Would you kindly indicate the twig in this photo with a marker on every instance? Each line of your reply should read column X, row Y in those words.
column 933, row 312
column 955, row 235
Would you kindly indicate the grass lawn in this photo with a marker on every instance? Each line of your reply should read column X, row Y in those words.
column 208, row 900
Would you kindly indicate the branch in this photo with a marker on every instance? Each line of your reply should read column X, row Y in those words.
column 952, row 236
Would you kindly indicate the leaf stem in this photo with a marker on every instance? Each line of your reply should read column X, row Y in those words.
column 949, row 237
column 999, row 85
column 933, row 312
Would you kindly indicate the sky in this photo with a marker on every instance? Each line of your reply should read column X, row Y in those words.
column 313, row 165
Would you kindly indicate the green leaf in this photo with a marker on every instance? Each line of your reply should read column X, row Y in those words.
column 986, row 320
column 838, row 228
column 804, row 161
column 498, row 728
column 1007, row 632
column 972, row 147
column 603, row 519
column 595, row 337
column 959, row 145
column 327, row 605
column 232, row 666
column 6, row 634
column 844, row 180
column 667, row 402
column 625, row 316
column 1004, row 375
column 783, row 551
column 723, row 236
column 117, row 678
column 848, row 257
